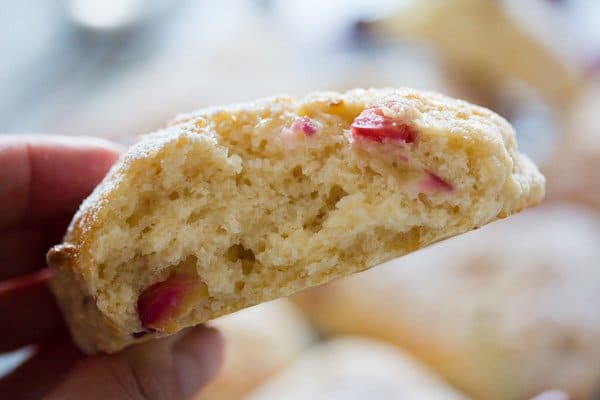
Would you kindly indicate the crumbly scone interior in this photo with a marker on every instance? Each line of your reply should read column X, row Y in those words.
column 259, row 210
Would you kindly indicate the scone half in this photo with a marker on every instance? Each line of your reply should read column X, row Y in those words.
column 232, row 206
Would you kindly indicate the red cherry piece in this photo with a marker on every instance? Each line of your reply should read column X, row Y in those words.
column 434, row 182
column 163, row 302
column 374, row 125
column 304, row 125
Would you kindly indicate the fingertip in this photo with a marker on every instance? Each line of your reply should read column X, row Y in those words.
column 47, row 176
column 64, row 171
column 92, row 141
column 197, row 357
column 174, row 367
column 61, row 141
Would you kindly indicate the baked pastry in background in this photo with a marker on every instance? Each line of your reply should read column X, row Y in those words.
column 260, row 341
column 482, row 44
column 352, row 368
column 573, row 170
column 505, row 312
column 233, row 206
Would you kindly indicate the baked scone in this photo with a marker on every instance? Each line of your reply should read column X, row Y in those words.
column 229, row 207
column 573, row 170
column 261, row 340
column 482, row 43
column 352, row 368
column 505, row 312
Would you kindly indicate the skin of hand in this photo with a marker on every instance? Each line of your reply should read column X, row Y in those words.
column 43, row 179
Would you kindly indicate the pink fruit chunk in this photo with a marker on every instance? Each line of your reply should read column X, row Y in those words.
column 304, row 125
column 160, row 305
column 373, row 124
column 434, row 183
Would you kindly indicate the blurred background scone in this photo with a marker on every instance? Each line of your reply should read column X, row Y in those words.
column 260, row 341
column 504, row 312
column 121, row 68
column 480, row 43
column 349, row 368
column 573, row 171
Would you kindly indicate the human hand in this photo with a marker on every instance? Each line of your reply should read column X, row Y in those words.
column 43, row 179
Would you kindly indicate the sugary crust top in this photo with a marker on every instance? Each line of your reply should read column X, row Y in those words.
column 435, row 115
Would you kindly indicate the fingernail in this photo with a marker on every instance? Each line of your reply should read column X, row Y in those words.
column 197, row 357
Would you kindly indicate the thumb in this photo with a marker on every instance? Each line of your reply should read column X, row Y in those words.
column 170, row 368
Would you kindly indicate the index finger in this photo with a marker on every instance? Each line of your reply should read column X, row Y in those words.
column 44, row 176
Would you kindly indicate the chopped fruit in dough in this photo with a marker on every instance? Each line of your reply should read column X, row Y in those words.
column 373, row 124
column 163, row 303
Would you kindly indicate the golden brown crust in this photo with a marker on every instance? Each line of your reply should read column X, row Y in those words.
column 62, row 256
